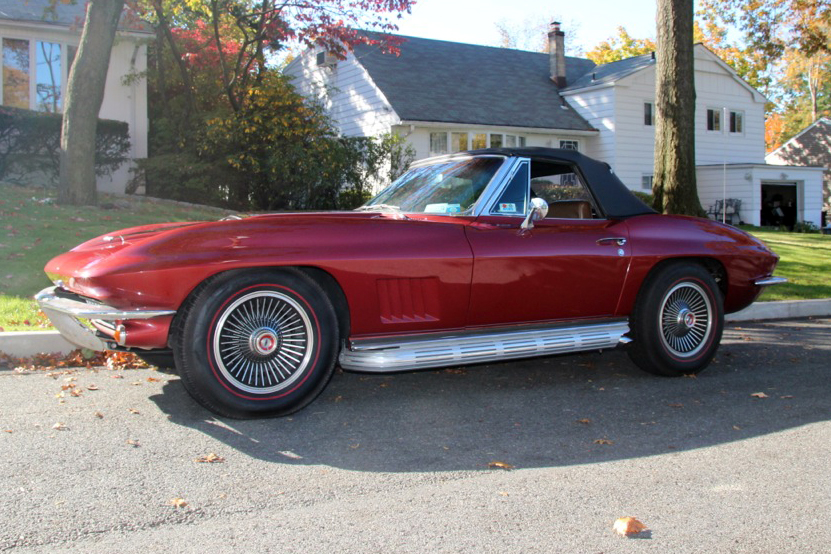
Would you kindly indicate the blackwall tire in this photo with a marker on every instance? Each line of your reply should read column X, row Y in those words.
column 257, row 343
column 677, row 322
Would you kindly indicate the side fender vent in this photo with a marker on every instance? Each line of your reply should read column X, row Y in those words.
column 408, row 300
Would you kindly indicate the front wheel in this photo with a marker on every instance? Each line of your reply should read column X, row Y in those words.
column 257, row 343
column 677, row 321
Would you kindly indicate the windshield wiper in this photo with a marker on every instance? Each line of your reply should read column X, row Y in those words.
column 378, row 208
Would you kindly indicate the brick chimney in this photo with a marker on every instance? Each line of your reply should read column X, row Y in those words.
column 557, row 54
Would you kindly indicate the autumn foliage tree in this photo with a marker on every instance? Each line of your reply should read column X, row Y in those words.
column 211, row 70
column 620, row 47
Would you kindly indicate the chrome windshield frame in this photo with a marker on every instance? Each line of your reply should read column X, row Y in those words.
column 491, row 190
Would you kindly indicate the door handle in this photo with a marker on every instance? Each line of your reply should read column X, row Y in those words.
column 620, row 241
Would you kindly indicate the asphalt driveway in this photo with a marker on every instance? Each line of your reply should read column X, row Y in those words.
column 735, row 460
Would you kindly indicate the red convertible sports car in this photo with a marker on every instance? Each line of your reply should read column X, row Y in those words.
column 469, row 258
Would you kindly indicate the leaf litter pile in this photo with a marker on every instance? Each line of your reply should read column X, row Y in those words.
column 80, row 358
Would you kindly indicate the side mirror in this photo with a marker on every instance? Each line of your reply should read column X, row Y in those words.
column 539, row 209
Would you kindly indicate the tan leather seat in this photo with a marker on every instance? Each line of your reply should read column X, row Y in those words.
column 570, row 209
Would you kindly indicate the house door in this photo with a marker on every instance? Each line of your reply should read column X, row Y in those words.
column 779, row 205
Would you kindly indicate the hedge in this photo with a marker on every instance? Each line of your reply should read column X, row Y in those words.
column 30, row 145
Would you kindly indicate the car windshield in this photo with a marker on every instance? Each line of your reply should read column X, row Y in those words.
column 446, row 187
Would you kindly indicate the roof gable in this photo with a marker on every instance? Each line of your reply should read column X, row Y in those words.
column 611, row 72
column 451, row 82
column 812, row 146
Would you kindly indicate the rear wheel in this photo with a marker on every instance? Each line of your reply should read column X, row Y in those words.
column 677, row 322
column 256, row 344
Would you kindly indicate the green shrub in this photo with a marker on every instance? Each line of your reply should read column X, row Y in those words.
column 30, row 145
column 645, row 197
column 279, row 152
column 805, row 227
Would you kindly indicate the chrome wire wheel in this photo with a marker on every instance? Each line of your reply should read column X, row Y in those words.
column 263, row 342
column 685, row 319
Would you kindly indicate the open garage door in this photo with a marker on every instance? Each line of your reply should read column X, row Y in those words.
column 779, row 204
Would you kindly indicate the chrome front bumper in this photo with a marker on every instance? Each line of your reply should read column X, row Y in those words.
column 768, row 281
column 65, row 312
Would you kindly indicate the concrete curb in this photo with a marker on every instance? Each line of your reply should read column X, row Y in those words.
column 24, row 343
column 786, row 309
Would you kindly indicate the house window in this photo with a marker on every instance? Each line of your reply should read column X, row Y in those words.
column 48, row 77
column 713, row 119
column 648, row 110
column 480, row 140
column 438, row 144
column 646, row 182
column 569, row 145
column 521, row 141
column 736, row 122
column 16, row 73
column 496, row 141
column 458, row 141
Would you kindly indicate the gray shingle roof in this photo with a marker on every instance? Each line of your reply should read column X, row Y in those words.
column 611, row 72
column 63, row 15
column 811, row 147
column 450, row 82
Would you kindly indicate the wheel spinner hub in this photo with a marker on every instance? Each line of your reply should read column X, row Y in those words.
column 264, row 341
column 685, row 321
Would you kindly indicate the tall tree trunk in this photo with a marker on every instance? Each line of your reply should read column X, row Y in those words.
column 84, row 95
column 674, row 183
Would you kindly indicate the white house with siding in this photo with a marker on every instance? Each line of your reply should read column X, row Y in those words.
column 445, row 97
column 38, row 46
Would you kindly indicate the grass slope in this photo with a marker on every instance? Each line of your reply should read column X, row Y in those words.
column 805, row 259
column 33, row 230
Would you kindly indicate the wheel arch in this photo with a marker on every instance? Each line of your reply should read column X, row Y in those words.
column 713, row 266
column 323, row 278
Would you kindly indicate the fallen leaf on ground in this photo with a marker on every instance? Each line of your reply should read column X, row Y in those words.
column 210, row 459
column 675, row 405
column 584, row 421
column 134, row 411
column 626, row 526
column 60, row 427
column 178, row 503
column 759, row 395
column 92, row 386
column 8, row 430
column 737, row 428
column 99, row 415
column 153, row 379
column 132, row 442
column 603, row 441
column 500, row 465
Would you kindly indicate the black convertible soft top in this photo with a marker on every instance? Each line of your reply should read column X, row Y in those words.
column 615, row 199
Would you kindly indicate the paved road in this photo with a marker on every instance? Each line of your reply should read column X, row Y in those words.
column 400, row 463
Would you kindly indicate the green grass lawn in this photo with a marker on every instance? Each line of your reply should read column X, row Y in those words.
column 32, row 231
column 805, row 259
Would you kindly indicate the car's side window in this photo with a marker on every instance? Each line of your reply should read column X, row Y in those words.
column 515, row 196
column 563, row 189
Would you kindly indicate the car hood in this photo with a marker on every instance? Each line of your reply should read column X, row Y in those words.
column 176, row 244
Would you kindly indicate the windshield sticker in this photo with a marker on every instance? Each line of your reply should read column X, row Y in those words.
column 507, row 207
column 443, row 208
